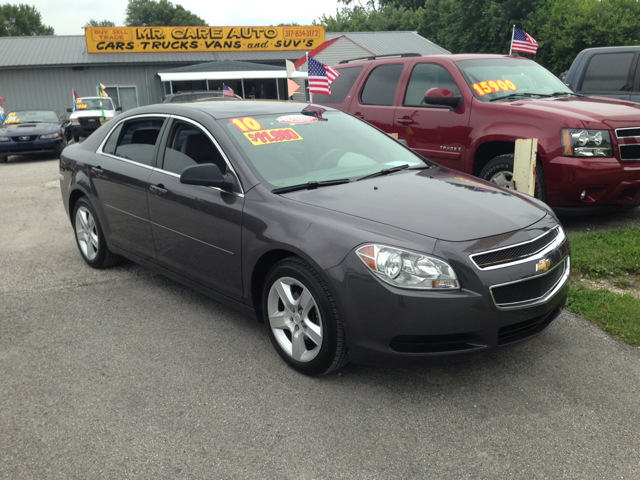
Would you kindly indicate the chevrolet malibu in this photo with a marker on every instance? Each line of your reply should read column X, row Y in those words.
column 345, row 243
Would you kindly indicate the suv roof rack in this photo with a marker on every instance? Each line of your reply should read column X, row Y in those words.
column 382, row 56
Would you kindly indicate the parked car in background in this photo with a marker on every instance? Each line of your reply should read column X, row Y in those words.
column 345, row 243
column 606, row 72
column 90, row 113
column 466, row 112
column 33, row 132
column 197, row 96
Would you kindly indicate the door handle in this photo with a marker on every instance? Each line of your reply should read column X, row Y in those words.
column 97, row 170
column 404, row 121
column 358, row 114
column 158, row 189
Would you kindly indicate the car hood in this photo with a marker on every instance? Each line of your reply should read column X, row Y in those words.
column 594, row 112
column 30, row 129
column 439, row 203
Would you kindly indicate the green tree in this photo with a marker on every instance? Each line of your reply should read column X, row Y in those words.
column 101, row 23
column 28, row 21
column 161, row 13
column 565, row 27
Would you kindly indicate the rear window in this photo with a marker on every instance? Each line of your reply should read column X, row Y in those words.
column 608, row 72
column 340, row 86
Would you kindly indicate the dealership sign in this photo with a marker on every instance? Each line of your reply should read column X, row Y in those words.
column 201, row 39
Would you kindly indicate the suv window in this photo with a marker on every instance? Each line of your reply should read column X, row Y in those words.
column 188, row 145
column 340, row 86
column 425, row 76
column 137, row 140
column 381, row 85
column 608, row 72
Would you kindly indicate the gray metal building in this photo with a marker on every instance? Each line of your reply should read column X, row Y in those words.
column 42, row 71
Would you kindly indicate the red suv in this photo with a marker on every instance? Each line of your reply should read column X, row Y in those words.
column 466, row 111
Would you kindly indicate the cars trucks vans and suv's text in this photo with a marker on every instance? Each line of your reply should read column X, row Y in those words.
column 466, row 112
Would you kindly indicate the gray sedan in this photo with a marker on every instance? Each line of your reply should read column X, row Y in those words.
column 345, row 243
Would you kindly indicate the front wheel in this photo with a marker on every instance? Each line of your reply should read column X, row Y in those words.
column 89, row 236
column 302, row 319
column 500, row 171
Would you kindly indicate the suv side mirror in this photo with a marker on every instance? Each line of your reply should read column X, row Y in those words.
column 118, row 109
column 69, row 110
column 208, row 175
column 443, row 97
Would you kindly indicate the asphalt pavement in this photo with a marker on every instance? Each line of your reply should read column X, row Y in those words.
column 122, row 373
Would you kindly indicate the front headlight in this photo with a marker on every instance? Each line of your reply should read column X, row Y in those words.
column 49, row 136
column 4, row 139
column 586, row 143
column 405, row 269
column 75, row 121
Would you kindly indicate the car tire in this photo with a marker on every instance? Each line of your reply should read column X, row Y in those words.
column 302, row 318
column 500, row 171
column 89, row 236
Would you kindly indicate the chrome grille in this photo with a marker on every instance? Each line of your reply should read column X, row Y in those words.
column 629, row 152
column 514, row 253
column 628, row 132
column 531, row 291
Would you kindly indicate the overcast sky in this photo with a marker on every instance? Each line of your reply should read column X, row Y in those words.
column 68, row 18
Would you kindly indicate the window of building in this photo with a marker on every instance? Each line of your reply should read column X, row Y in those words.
column 125, row 96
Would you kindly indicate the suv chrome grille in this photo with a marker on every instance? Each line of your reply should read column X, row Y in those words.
column 628, row 132
column 508, row 255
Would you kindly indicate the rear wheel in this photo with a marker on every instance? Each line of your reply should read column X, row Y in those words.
column 302, row 319
column 500, row 171
column 89, row 237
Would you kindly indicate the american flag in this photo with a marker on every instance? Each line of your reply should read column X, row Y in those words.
column 523, row 42
column 320, row 76
column 227, row 91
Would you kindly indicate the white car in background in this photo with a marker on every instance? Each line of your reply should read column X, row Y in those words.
column 90, row 114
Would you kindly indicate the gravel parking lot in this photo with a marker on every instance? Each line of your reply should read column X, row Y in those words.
column 122, row 373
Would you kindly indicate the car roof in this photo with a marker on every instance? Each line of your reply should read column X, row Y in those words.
column 229, row 109
column 458, row 57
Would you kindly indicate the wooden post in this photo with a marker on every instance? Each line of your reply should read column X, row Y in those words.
column 524, row 165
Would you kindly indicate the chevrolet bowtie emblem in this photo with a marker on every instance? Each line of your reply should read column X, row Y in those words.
column 543, row 265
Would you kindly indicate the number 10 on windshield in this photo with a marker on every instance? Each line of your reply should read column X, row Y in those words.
column 492, row 86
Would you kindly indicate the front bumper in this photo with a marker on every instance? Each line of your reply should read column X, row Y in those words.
column 385, row 325
column 34, row 147
column 606, row 182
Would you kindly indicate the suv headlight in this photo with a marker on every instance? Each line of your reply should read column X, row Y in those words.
column 586, row 143
column 75, row 121
column 49, row 136
column 402, row 268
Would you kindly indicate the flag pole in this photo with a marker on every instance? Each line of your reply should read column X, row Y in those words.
column 513, row 31
column 310, row 92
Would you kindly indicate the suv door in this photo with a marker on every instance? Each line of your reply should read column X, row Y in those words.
column 120, row 178
column 375, row 100
column 436, row 132
column 197, row 230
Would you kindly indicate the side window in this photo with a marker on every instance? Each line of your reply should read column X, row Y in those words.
column 110, row 146
column 137, row 140
column 340, row 86
column 188, row 145
column 424, row 77
column 381, row 85
column 607, row 73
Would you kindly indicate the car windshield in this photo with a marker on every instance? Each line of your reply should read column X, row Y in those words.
column 297, row 149
column 32, row 116
column 94, row 104
column 498, row 78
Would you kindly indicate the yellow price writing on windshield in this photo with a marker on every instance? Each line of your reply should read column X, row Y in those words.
column 492, row 86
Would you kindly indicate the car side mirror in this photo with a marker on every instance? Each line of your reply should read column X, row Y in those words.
column 208, row 175
column 442, row 97
column 118, row 109
column 69, row 110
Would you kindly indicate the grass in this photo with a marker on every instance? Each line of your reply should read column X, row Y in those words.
column 613, row 257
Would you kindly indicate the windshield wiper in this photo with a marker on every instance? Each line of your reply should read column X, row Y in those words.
column 558, row 94
column 519, row 95
column 385, row 171
column 310, row 185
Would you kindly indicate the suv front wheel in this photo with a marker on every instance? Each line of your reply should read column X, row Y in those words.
column 500, row 171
